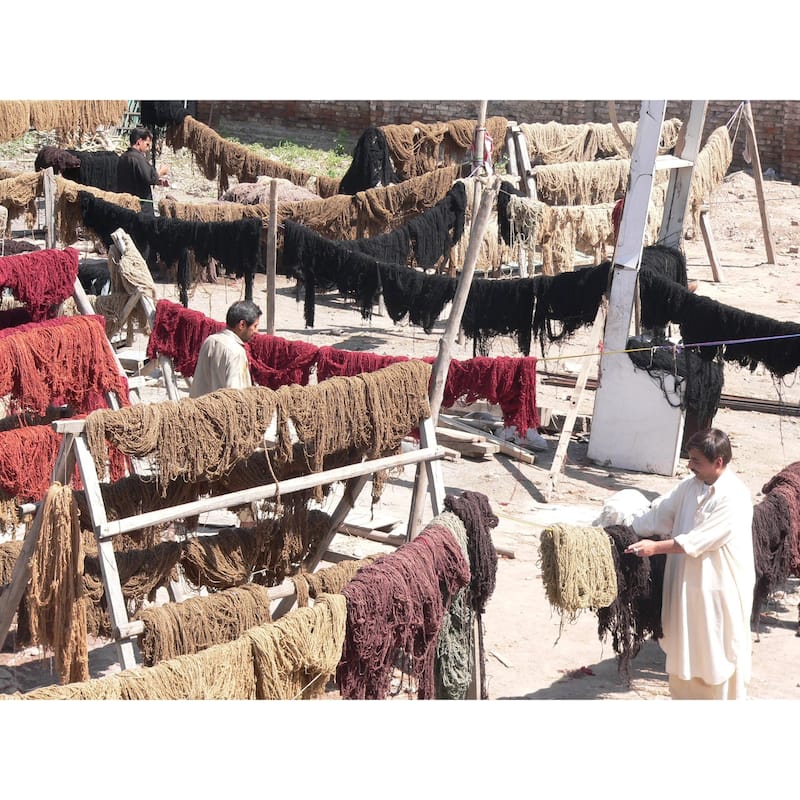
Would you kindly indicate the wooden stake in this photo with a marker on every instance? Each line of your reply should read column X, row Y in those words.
column 49, row 185
column 441, row 365
column 759, row 179
column 708, row 240
column 272, row 249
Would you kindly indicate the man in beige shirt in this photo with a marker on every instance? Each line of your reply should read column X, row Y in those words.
column 222, row 361
column 709, row 574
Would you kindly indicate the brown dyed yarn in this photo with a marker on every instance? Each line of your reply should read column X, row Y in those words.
column 71, row 118
column 141, row 572
column 55, row 594
column 297, row 655
column 18, row 195
column 368, row 413
column 330, row 580
column 15, row 119
column 272, row 548
column 177, row 629
column 222, row 672
column 225, row 560
column 68, row 204
column 134, row 495
column 188, row 438
column 9, row 553
column 288, row 659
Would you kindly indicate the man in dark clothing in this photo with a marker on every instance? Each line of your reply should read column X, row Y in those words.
column 135, row 174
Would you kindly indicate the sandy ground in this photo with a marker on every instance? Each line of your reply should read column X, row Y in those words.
column 529, row 655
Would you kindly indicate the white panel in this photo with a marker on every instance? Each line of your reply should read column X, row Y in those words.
column 633, row 425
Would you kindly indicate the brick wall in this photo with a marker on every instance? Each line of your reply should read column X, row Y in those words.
column 326, row 123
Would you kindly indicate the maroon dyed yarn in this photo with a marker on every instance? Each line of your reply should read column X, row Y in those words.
column 395, row 608
column 473, row 509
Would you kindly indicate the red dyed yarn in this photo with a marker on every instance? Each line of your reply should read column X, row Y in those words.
column 508, row 382
column 27, row 456
column 178, row 333
column 67, row 360
column 40, row 279
column 333, row 362
column 276, row 362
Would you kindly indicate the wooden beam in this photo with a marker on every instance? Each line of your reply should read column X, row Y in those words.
column 759, row 179
column 147, row 519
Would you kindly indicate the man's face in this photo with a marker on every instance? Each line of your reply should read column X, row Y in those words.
column 707, row 471
column 244, row 331
column 143, row 145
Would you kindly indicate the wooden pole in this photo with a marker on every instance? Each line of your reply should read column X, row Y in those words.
column 759, row 179
column 272, row 249
column 49, row 186
column 441, row 365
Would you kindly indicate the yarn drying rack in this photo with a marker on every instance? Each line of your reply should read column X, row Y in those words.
column 74, row 451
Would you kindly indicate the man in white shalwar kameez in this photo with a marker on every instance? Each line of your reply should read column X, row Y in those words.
column 222, row 360
column 709, row 574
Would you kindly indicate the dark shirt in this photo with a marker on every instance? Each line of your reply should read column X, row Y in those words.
column 135, row 175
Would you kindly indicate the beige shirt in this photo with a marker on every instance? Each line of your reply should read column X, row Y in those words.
column 221, row 364
column 708, row 591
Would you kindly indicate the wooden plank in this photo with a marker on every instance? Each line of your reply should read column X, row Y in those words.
column 708, row 240
column 454, row 435
column 759, row 180
column 477, row 449
column 507, row 448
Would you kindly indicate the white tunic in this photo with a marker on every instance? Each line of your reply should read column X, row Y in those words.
column 221, row 364
column 708, row 592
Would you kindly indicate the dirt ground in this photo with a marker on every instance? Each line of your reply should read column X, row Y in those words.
column 529, row 655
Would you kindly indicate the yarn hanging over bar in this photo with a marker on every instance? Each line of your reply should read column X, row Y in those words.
column 635, row 613
column 66, row 360
column 577, row 568
column 41, row 280
column 395, row 608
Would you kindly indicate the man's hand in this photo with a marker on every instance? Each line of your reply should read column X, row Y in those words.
column 653, row 547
